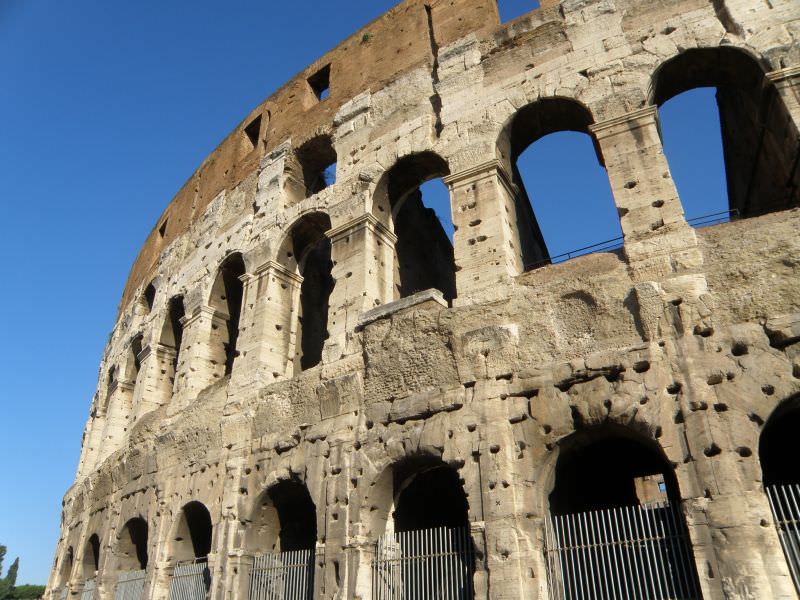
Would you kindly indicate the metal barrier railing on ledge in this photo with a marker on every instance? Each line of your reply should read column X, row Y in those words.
column 190, row 580
column 607, row 246
column 89, row 589
column 724, row 216
column 130, row 585
column 283, row 576
column 784, row 500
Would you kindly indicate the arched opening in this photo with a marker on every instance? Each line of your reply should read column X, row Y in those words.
column 423, row 253
column 282, row 534
column 149, row 297
column 91, row 557
column 65, row 568
column 614, row 513
column 226, row 298
column 716, row 102
column 563, row 205
column 307, row 252
column 172, row 331
column 134, row 363
column 314, row 168
column 190, row 549
column 193, row 534
column 777, row 450
column 428, row 530
column 132, row 546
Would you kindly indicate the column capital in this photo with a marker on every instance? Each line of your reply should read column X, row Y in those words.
column 489, row 168
column 272, row 267
column 637, row 118
column 364, row 221
column 781, row 75
column 204, row 311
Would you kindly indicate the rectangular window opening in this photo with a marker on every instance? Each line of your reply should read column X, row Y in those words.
column 253, row 130
column 320, row 82
column 162, row 231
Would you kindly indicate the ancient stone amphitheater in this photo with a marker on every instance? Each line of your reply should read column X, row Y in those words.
column 310, row 393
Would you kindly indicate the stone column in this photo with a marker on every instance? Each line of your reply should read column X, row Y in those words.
column 118, row 416
column 155, row 380
column 362, row 252
column 488, row 243
column 658, row 241
column 201, row 361
column 265, row 334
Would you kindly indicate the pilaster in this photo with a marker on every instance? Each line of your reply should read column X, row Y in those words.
column 200, row 364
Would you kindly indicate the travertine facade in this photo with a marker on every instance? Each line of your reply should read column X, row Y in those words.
column 220, row 387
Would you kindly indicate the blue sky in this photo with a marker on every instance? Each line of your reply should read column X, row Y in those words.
column 106, row 108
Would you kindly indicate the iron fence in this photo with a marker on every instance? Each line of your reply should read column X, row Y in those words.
column 89, row 589
column 630, row 552
column 424, row 565
column 784, row 500
column 724, row 216
column 190, row 580
column 283, row 576
column 130, row 585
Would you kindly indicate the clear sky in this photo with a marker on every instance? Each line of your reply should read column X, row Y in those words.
column 106, row 108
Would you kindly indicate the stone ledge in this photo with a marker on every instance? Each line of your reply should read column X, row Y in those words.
column 387, row 310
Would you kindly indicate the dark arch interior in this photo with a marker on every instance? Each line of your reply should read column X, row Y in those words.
column 424, row 253
column 134, row 361
column 556, row 203
column 428, row 495
column 198, row 523
column 759, row 138
column 133, row 545
column 777, row 447
column 91, row 556
column 609, row 468
column 297, row 515
column 317, row 158
column 172, row 331
column 227, row 296
column 66, row 566
column 149, row 296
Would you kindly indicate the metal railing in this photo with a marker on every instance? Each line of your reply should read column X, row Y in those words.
column 89, row 589
column 607, row 246
column 424, row 565
column 190, row 580
column 784, row 500
column 631, row 552
column 283, row 576
column 714, row 218
column 130, row 585
column 60, row 593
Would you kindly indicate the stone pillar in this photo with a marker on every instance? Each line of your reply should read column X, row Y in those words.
column 362, row 252
column 488, row 243
column 658, row 241
column 155, row 380
column 787, row 83
column 359, row 554
column 92, row 439
column 265, row 341
column 201, row 361
column 118, row 416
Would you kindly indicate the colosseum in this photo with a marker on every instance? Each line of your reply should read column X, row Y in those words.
column 310, row 392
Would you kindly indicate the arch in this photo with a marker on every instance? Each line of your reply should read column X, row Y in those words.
column 91, row 556
column 65, row 568
column 133, row 363
column 131, row 547
column 614, row 488
column 172, row 331
column 565, row 123
column 226, row 298
column 284, row 519
column 423, row 253
column 306, row 251
column 777, row 445
column 193, row 532
column 759, row 137
column 149, row 296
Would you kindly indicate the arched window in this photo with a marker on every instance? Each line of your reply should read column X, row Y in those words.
column 91, row 557
column 614, row 516
column 149, row 297
column 172, row 330
column 777, row 450
column 564, row 206
column 134, row 363
column 725, row 108
column 307, row 252
column 193, row 533
column 423, row 257
column 429, row 528
column 226, row 298
column 132, row 546
column 282, row 534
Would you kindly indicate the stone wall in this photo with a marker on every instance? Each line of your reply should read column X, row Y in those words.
column 684, row 341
